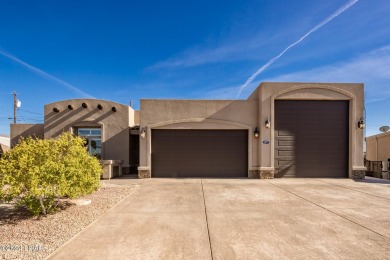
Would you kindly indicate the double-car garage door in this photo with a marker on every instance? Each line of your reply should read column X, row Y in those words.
column 199, row 153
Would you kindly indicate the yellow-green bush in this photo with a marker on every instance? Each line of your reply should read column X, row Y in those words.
column 36, row 173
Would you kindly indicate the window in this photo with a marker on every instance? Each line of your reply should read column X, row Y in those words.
column 93, row 137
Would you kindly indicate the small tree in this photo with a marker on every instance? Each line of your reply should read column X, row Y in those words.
column 36, row 173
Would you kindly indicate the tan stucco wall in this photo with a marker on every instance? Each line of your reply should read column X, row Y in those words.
column 378, row 147
column 251, row 113
column 25, row 130
column 354, row 93
column 115, row 125
column 136, row 117
column 198, row 114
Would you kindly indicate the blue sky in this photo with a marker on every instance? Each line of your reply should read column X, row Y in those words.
column 127, row 50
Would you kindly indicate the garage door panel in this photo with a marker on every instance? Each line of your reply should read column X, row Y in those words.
column 286, row 134
column 285, row 161
column 335, row 137
column 318, row 146
column 199, row 153
column 286, row 153
column 286, row 171
column 333, row 145
column 286, row 142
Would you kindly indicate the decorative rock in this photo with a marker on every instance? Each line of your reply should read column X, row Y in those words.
column 46, row 234
column 81, row 202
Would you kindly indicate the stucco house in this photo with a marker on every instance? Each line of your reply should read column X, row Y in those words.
column 280, row 130
column 378, row 147
column 5, row 140
column 4, row 144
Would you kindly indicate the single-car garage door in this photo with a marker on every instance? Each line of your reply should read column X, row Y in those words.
column 311, row 138
column 199, row 153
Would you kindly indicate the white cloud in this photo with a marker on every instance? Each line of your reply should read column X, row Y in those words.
column 370, row 68
column 44, row 74
column 195, row 56
column 229, row 92
column 220, row 93
column 312, row 30
column 240, row 50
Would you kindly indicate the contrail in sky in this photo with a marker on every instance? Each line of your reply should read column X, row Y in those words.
column 45, row 74
column 315, row 28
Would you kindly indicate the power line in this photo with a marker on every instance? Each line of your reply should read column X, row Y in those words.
column 18, row 120
column 33, row 107
column 32, row 117
column 30, row 112
column 35, row 121
column 21, row 115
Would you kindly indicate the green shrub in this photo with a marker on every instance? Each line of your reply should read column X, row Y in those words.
column 36, row 173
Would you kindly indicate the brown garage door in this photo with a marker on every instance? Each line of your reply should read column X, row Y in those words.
column 199, row 153
column 311, row 138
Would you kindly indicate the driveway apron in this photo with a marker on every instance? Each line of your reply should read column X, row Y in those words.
column 241, row 219
column 163, row 219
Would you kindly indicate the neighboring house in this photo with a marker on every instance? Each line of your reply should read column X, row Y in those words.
column 4, row 144
column 378, row 147
column 281, row 130
column 3, row 149
column 5, row 140
column 104, row 124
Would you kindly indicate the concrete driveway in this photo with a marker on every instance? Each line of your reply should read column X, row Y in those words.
column 241, row 219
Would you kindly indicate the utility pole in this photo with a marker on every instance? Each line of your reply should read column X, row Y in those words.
column 15, row 106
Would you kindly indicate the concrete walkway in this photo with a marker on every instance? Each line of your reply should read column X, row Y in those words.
column 241, row 219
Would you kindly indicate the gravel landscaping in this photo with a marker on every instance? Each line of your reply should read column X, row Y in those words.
column 23, row 236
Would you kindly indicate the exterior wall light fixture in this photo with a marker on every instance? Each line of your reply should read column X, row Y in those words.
column 70, row 107
column 113, row 109
column 56, row 110
column 267, row 123
column 361, row 123
column 99, row 106
column 256, row 133
column 84, row 105
column 142, row 132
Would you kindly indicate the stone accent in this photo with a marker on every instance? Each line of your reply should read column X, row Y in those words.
column 111, row 168
column 142, row 174
column 358, row 174
column 254, row 174
column 266, row 174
